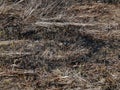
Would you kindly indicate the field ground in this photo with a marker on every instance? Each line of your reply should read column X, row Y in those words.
column 59, row 46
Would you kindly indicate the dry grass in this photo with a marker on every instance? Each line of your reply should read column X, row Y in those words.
column 59, row 45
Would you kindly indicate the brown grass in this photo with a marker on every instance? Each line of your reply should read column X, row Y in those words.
column 59, row 45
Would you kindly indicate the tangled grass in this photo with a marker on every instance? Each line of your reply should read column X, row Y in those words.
column 59, row 45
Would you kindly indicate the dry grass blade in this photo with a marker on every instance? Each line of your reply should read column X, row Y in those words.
column 59, row 24
column 15, row 53
column 11, row 42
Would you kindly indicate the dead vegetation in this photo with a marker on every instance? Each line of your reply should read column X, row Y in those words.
column 59, row 45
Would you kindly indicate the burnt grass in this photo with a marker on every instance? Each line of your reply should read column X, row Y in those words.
column 68, row 57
